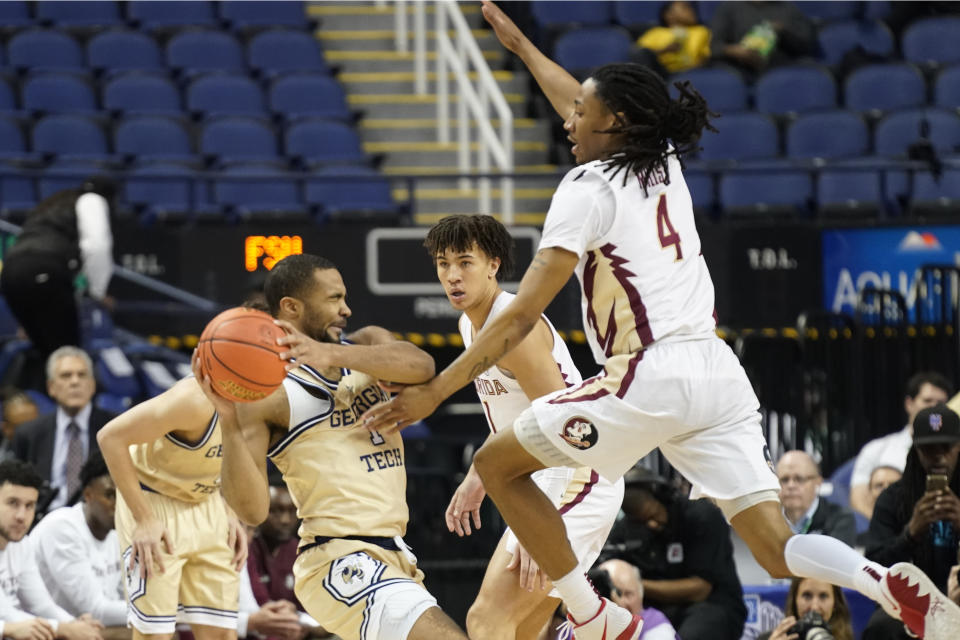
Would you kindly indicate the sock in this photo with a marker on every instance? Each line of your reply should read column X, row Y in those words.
column 579, row 595
column 828, row 559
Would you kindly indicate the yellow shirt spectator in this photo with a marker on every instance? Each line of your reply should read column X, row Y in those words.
column 678, row 48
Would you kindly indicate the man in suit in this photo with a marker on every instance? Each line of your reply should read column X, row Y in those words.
column 58, row 444
column 800, row 482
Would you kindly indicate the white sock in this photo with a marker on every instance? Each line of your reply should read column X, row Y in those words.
column 579, row 595
column 828, row 559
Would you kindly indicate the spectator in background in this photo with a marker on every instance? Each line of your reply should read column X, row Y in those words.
column 800, row 482
column 881, row 478
column 628, row 593
column 18, row 409
column 66, row 235
column 912, row 524
column 924, row 390
column 78, row 555
column 58, row 444
column 27, row 612
column 807, row 595
column 757, row 35
column 681, row 42
column 683, row 550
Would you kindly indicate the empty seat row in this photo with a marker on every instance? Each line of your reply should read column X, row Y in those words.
column 292, row 96
column 190, row 51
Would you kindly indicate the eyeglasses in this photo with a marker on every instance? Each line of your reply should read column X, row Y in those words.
column 784, row 481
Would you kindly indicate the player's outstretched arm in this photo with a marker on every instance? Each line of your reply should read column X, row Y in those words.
column 557, row 85
column 545, row 277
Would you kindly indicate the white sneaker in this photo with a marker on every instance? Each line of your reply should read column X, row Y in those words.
column 911, row 597
column 610, row 622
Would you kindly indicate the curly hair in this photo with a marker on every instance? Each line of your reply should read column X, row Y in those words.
column 460, row 232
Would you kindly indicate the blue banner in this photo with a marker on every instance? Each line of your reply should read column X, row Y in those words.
column 889, row 258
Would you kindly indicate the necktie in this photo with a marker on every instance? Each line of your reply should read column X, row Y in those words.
column 74, row 458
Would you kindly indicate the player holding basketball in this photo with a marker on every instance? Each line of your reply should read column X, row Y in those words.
column 354, row 574
column 623, row 222
column 471, row 254
column 182, row 546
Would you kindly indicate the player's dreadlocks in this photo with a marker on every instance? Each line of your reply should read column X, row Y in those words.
column 460, row 232
column 648, row 117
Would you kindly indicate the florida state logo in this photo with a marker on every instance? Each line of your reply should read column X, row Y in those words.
column 579, row 433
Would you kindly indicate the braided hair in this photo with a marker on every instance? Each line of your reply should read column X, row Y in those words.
column 647, row 118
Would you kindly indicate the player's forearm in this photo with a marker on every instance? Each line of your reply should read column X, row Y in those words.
column 692, row 589
column 116, row 454
column 250, row 500
column 394, row 362
column 557, row 84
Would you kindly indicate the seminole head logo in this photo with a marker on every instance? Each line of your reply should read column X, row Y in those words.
column 579, row 433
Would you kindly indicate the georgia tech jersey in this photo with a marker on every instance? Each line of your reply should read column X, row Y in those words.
column 344, row 479
column 188, row 471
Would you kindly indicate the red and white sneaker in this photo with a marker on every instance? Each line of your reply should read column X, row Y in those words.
column 911, row 597
column 610, row 622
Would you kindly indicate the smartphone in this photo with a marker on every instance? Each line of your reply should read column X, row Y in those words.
column 937, row 482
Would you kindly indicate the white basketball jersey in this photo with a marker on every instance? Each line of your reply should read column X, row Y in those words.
column 641, row 270
column 501, row 395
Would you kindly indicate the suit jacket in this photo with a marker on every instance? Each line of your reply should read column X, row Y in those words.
column 33, row 441
column 835, row 521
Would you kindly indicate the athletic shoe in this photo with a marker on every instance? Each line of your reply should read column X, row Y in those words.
column 911, row 597
column 610, row 622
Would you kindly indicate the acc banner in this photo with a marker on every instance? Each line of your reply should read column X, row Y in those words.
column 888, row 258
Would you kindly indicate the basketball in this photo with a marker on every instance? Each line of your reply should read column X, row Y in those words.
column 238, row 350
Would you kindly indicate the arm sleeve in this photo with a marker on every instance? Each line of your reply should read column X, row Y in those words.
column 70, row 562
column 96, row 242
column 888, row 540
column 33, row 594
column 581, row 211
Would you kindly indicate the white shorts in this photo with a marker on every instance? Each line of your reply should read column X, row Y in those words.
column 691, row 399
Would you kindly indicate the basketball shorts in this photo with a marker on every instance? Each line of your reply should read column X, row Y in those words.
column 691, row 399
column 362, row 591
column 198, row 585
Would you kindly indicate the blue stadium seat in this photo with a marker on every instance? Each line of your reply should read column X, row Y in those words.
column 66, row 174
column 585, row 48
column 259, row 13
column 277, row 196
column 876, row 9
column 549, row 13
column 634, row 15
column 164, row 191
column 795, row 90
column 830, row 134
column 149, row 138
column 309, row 94
column 931, row 196
column 702, row 190
column 838, row 38
column 17, row 192
column 15, row 14
column 164, row 14
column 69, row 135
column 115, row 373
column 828, row 10
column 722, row 87
column 884, row 87
column 12, row 143
column 899, row 130
column 78, row 14
column 324, row 142
column 849, row 192
column 782, row 193
column 44, row 49
column 123, row 49
column 932, row 40
column 58, row 92
column 343, row 195
column 283, row 51
column 741, row 136
column 239, row 139
column 142, row 93
column 946, row 88
column 8, row 102
column 222, row 94
column 706, row 9
column 202, row 50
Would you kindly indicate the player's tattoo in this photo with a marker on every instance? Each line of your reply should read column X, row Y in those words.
column 486, row 363
column 537, row 263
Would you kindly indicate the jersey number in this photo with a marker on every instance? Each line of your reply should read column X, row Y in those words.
column 668, row 235
column 376, row 438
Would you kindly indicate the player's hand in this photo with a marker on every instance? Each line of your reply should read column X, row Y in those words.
column 304, row 349
column 413, row 403
column 220, row 404
column 32, row 629
column 947, row 507
column 780, row 631
column 530, row 574
column 148, row 536
column 237, row 540
column 924, row 513
column 507, row 32
column 276, row 619
column 465, row 505
column 88, row 618
column 78, row 630
column 953, row 584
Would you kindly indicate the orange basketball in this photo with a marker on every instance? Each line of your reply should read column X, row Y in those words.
column 238, row 350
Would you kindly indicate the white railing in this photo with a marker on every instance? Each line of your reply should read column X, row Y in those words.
column 475, row 100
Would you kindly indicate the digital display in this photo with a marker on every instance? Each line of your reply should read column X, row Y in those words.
column 266, row 251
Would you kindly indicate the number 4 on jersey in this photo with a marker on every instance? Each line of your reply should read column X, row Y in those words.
column 668, row 235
